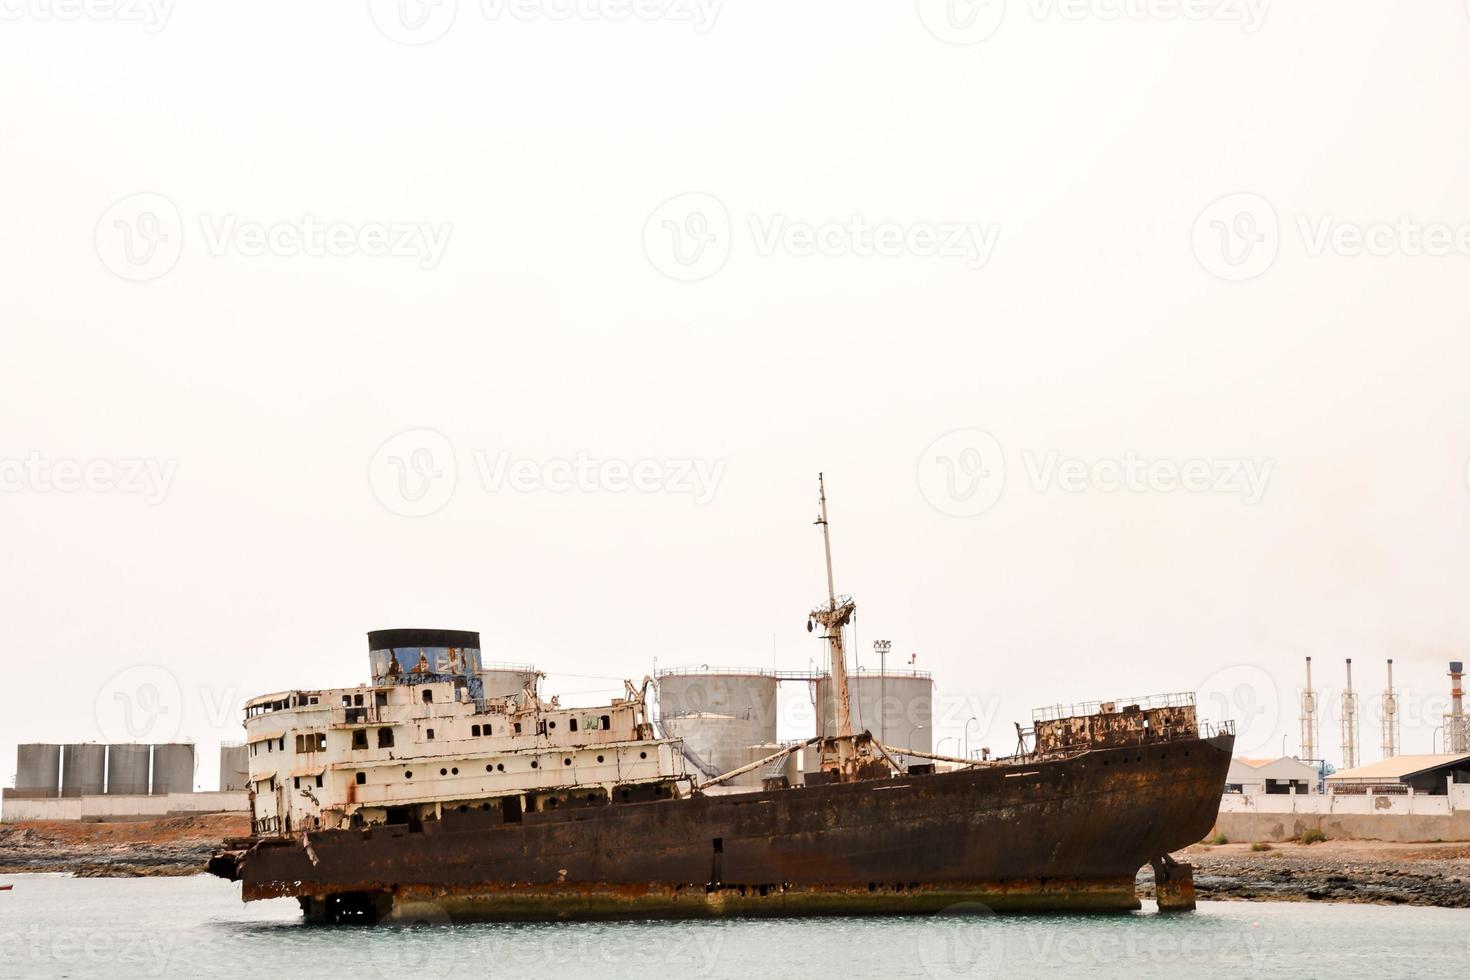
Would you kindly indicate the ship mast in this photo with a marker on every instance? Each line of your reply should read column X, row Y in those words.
column 833, row 617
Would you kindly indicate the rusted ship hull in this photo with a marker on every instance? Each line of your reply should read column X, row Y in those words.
column 1068, row 834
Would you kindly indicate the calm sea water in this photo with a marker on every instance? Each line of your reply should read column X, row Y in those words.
column 55, row 926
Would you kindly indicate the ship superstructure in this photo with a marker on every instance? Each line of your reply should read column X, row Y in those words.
column 423, row 738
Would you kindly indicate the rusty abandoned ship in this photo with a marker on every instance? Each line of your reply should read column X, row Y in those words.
column 418, row 797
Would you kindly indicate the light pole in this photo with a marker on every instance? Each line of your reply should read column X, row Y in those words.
column 881, row 648
column 946, row 739
column 967, row 735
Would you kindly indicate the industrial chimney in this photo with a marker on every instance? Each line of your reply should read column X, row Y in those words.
column 1349, row 722
column 1456, row 738
column 1309, row 717
column 1390, row 717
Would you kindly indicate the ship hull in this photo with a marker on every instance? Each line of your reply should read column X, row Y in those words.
column 1061, row 835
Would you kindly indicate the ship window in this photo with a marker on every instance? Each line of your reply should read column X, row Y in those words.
column 385, row 738
column 518, row 728
column 346, row 700
column 475, row 731
column 357, row 700
column 318, row 782
column 315, row 700
column 430, row 734
column 362, row 779
column 296, row 782
column 428, row 695
column 380, row 698
column 606, row 722
column 359, row 738
column 486, row 730
column 572, row 724
column 270, row 746
column 283, row 743
column 321, row 741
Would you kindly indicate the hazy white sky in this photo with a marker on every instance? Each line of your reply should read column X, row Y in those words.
column 1131, row 335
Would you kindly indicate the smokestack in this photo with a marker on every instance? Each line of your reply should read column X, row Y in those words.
column 1457, row 739
column 1309, row 717
column 1349, row 722
column 1390, row 717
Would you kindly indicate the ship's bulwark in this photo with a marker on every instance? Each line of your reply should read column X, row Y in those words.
column 1061, row 835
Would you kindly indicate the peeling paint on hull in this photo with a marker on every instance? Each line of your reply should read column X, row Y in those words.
column 1067, row 835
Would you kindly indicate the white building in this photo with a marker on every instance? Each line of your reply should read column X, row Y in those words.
column 1283, row 775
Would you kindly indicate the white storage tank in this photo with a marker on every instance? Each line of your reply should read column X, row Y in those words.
column 897, row 707
column 508, row 680
column 719, row 713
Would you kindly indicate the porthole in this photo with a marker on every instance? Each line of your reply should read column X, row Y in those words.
column 642, row 755
column 566, row 762
column 535, row 764
column 443, row 772
column 599, row 758
column 489, row 768
column 499, row 767
column 454, row 771
column 408, row 774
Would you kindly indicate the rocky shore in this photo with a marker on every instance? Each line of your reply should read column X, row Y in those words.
column 169, row 846
column 1330, row 871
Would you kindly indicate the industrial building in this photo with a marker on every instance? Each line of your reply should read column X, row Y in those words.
column 1283, row 775
column 1426, row 775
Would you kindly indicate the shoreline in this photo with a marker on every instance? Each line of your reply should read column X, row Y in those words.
column 1368, row 872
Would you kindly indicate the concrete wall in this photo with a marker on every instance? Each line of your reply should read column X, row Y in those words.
column 38, row 770
column 127, row 769
column 83, row 769
column 16, row 809
column 1408, row 817
column 173, row 768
